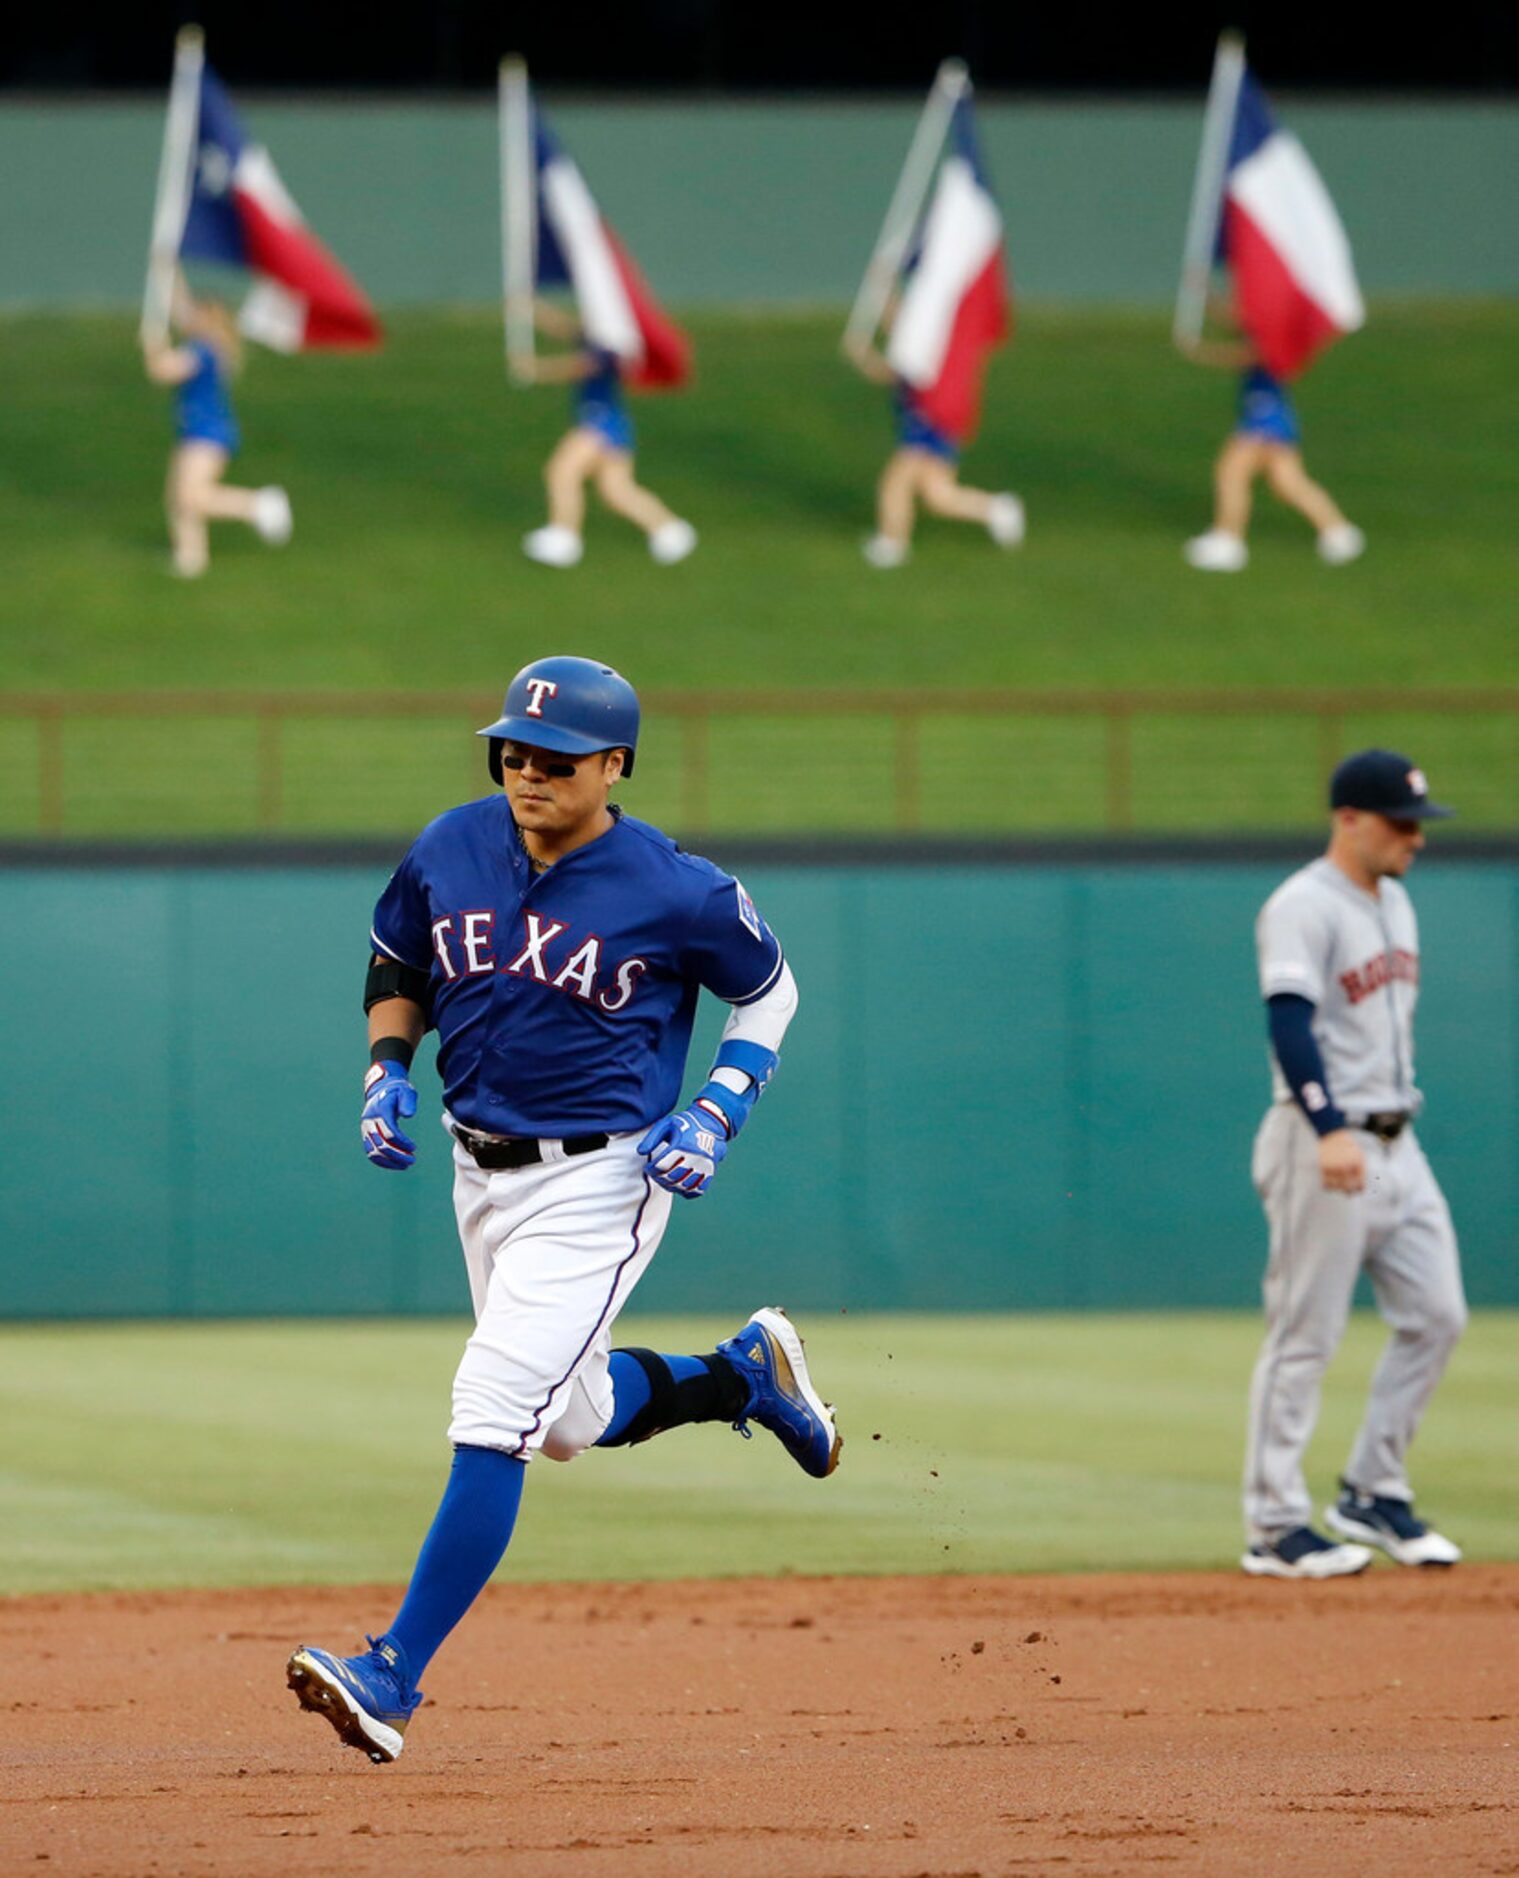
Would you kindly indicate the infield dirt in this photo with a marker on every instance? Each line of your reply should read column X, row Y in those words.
column 900, row 1727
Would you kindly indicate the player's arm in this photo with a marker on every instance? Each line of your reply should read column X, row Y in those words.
column 686, row 1149
column 166, row 364
column 558, row 368
column 395, row 1004
column 1289, row 1019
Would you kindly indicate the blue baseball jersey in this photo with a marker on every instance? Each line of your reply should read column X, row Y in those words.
column 202, row 407
column 564, row 1001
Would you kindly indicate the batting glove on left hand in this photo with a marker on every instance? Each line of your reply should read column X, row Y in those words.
column 388, row 1096
column 684, row 1151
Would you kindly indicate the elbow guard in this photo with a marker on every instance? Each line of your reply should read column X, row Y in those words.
column 731, row 1105
column 389, row 978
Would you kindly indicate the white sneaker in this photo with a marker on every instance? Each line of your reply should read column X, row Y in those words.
column 272, row 519
column 1007, row 524
column 1391, row 1524
column 1341, row 544
column 1304, row 1553
column 672, row 542
column 1217, row 552
column 882, row 551
column 553, row 546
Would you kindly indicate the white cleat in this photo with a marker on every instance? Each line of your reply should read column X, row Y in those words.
column 1217, row 552
column 553, row 546
column 1391, row 1525
column 882, row 551
column 1304, row 1553
column 273, row 520
column 1341, row 544
column 672, row 541
column 1007, row 524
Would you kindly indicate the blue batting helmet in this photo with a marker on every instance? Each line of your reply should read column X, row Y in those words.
column 574, row 705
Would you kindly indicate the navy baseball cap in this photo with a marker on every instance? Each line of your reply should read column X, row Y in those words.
column 1387, row 784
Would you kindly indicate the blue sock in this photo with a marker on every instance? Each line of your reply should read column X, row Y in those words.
column 469, row 1534
column 631, row 1393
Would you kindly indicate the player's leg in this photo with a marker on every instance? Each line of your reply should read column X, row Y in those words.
column 1317, row 1242
column 671, row 538
column 189, row 537
column 207, row 498
column 942, row 493
column 1288, row 479
column 896, row 499
column 573, row 459
column 1416, row 1273
column 760, row 1374
column 1222, row 549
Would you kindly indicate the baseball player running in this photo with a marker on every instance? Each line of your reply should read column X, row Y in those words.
column 558, row 947
column 1345, row 1184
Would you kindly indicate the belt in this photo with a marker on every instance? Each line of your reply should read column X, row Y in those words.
column 1386, row 1126
column 494, row 1152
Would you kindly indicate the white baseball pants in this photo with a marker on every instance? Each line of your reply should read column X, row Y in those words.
column 553, row 1252
column 1398, row 1228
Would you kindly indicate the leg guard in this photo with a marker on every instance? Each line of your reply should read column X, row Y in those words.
column 718, row 1394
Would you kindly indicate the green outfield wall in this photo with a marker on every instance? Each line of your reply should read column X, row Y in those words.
column 1009, row 1087
column 761, row 202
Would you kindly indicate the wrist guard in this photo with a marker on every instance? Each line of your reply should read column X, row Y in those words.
column 726, row 1105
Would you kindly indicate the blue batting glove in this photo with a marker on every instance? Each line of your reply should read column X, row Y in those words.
column 684, row 1152
column 388, row 1095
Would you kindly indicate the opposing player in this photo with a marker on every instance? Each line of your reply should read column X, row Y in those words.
column 558, row 947
column 200, row 369
column 1346, row 1186
column 597, row 448
column 924, row 469
column 1266, row 441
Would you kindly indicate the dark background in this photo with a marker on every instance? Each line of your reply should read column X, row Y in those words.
column 723, row 46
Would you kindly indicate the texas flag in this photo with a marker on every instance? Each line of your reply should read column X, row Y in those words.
column 1294, row 279
column 242, row 215
column 578, row 249
column 955, row 307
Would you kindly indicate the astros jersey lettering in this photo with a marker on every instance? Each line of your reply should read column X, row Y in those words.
column 1355, row 957
column 564, row 1001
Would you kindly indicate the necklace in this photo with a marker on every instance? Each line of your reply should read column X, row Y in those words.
column 536, row 866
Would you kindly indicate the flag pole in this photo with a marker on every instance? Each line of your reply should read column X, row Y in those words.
column 519, row 260
column 176, row 169
column 951, row 83
column 1208, row 190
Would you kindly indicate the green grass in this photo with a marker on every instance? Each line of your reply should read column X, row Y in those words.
column 313, row 1452
column 414, row 473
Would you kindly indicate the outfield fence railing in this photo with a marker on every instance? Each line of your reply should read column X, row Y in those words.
column 783, row 760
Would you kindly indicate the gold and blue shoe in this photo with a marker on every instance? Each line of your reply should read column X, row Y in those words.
column 767, row 1355
column 368, row 1699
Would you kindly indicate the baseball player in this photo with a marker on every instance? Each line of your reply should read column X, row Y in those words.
column 200, row 371
column 1345, row 1184
column 1266, row 441
column 924, row 468
column 558, row 948
column 597, row 447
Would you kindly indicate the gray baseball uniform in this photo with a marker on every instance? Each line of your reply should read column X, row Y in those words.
column 1355, row 956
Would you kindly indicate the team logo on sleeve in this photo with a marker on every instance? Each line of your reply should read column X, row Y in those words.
column 747, row 912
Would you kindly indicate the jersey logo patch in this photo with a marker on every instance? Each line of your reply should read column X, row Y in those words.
column 747, row 912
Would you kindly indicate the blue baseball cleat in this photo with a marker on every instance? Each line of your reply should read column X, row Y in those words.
column 368, row 1699
column 767, row 1355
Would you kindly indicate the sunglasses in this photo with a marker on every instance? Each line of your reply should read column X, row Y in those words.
column 562, row 771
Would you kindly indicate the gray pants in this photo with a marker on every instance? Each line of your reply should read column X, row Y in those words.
column 1399, row 1229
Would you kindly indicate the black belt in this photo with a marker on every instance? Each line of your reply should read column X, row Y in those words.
column 1386, row 1126
column 494, row 1152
